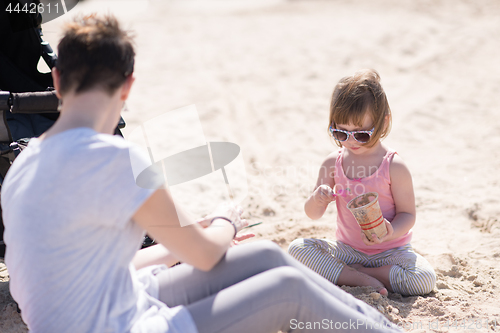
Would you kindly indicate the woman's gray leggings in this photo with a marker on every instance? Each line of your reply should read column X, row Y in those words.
column 258, row 288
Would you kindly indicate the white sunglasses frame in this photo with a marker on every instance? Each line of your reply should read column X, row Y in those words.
column 370, row 132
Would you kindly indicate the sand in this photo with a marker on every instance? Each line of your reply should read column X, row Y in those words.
column 261, row 74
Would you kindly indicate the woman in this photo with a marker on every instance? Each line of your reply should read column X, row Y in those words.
column 75, row 219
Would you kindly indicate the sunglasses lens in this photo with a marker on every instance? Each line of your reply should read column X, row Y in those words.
column 341, row 136
column 362, row 137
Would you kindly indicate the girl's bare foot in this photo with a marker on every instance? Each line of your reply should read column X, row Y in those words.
column 354, row 278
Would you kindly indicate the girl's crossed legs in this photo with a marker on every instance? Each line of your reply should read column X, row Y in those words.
column 401, row 269
column 259, row 288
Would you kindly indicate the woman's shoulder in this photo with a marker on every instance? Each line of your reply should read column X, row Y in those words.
column 114, row 141
column 87, row 149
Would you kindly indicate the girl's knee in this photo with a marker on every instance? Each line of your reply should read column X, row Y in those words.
column 425, row 279
column 305, row 249
column 295, row 245
column 428, row 278
column 419, row 281
column 306, row 244
column 424, row 284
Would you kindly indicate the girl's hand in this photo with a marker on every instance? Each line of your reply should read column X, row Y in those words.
column 323, row 195
column 375, row 239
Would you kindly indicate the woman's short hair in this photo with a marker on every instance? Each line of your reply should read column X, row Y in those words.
column 356, row 95
column 94, row 53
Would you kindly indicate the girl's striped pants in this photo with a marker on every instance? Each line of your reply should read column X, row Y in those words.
column 410, row 274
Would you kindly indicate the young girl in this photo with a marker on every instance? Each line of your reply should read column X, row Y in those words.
column 359, row 118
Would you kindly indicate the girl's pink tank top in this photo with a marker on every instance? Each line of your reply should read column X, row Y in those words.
column 348, row 230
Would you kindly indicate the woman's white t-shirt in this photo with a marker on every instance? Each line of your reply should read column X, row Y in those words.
column 67, row 206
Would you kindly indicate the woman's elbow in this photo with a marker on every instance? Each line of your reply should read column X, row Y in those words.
column 205, row 267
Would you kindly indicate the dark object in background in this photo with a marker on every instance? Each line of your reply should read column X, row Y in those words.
column 147, row 242
column 28, row 104
column 20, row 52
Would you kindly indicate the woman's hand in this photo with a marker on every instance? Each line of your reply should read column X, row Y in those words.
column 238, row 239
column 375, row 239
column 206, row 221
column 229, row 211
column 323, row 195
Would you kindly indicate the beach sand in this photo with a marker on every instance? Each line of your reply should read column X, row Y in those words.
column 261, row 74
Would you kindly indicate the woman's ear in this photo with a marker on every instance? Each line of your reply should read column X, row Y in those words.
column 126, row 87
column 56, row 77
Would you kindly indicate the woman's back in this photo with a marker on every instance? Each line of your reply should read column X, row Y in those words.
column 69, row 253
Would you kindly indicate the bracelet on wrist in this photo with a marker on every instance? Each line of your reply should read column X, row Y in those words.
column 228, row 220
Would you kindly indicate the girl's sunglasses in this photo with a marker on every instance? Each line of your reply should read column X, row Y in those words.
column 360, row 136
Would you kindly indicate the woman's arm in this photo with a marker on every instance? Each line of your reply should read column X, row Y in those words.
column 322, row 195
column 158, row 254
column 192, row 244
column 154, row 255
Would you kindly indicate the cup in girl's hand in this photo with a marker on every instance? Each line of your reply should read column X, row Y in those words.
column 366, row 210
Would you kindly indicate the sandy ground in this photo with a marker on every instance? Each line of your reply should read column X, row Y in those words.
column 261, row 74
